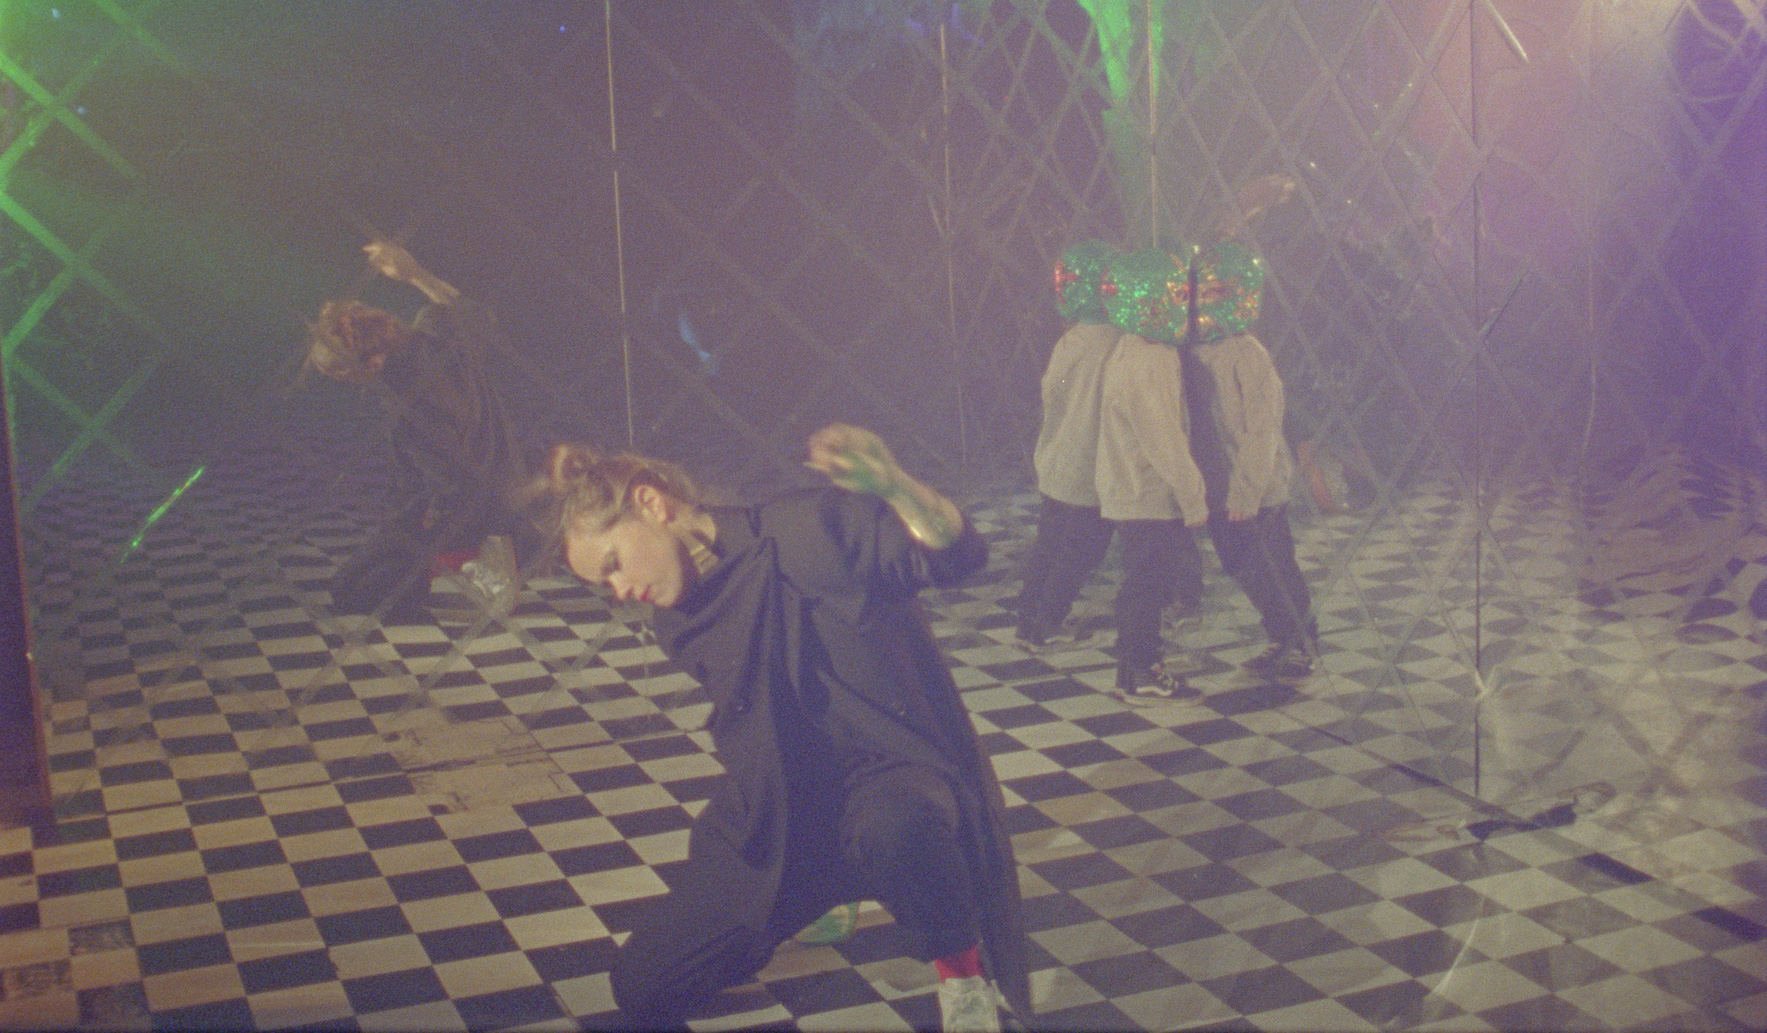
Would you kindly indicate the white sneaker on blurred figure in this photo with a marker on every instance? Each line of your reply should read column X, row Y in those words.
column 494, row 575
column 968, row 1005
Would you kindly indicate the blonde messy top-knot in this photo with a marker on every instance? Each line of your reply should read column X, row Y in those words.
column 350, row 341
column 585, row 487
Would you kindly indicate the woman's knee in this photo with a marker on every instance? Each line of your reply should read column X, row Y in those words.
column 658, row 980
column 907, row 822
column 643, row 989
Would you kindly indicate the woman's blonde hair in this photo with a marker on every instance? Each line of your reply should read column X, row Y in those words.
column 348, row 338
column 583, row 487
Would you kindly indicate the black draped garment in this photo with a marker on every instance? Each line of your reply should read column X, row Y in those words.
column 455, row 460
column 456, row 456
column 808, row 632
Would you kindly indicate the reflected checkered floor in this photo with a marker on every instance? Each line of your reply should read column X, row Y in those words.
column 1524, row 789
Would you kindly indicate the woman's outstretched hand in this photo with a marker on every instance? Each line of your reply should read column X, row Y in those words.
column 391, row 260
column 1252, row 199
column 858, row 460
column 396, row 263
column 855, row 459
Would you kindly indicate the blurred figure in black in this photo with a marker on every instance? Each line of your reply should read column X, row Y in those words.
column 456, row 457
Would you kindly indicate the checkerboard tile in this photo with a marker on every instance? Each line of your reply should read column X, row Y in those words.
column 1545, row 817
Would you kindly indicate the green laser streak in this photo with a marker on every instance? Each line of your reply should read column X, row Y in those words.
column 159, row 511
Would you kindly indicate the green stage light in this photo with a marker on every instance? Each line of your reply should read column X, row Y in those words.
column 159, row 512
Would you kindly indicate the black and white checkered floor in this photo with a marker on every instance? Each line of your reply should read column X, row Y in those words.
column 268, row 817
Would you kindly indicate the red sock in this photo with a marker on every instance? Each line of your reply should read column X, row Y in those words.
column 451, row 562
column 960, row 965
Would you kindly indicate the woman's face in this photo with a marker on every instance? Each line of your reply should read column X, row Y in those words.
column 638, row 557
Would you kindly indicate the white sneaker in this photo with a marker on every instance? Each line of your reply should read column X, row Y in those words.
column 494, row 575
column 968, row 1005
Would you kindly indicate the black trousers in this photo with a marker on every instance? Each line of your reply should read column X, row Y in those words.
column 1160, row 564
column 1259, row 554
column 390, row 573
column 1070, row 544
column 896, row 831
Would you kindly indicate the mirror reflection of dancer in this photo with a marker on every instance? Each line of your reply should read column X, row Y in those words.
column 1072, row 537
column 1242, row 446
column 852, row 769
column 1149, row 485
column 456, row 456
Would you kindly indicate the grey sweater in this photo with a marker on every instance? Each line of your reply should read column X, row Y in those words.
column 1067, row 445
column 1145, row 469
column 1248, row 403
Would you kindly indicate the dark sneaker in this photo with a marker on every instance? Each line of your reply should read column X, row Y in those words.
column 1037, row 638
column 1151, row 683
column 1182, row 610
column 1282, row 661
column 1178, row 664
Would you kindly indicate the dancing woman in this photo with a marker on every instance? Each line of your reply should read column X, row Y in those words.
column 852, row 769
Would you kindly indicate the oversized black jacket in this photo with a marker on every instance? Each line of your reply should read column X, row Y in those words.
column 813, row 588
column 456, row 455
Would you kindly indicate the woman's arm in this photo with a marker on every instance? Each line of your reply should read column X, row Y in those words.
column 395, row 263
column 1254, row 414
column 858, row 460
